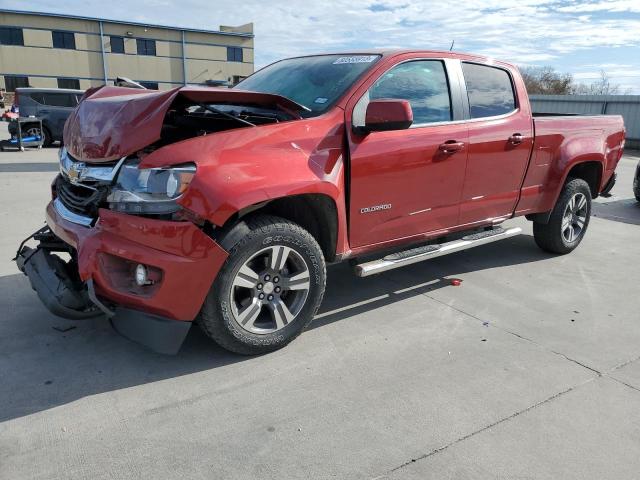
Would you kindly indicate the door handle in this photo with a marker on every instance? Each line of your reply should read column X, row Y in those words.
column 451, row 146
column 516, row 139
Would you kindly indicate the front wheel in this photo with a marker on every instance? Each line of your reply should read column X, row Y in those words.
column 268, row 290
column 568, row 221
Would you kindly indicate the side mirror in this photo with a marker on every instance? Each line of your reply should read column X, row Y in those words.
column 388, row 114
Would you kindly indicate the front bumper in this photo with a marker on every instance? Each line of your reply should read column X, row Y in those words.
column 99, row 277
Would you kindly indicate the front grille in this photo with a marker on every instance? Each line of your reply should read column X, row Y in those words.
column 80, row 199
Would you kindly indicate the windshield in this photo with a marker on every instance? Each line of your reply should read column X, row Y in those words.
column 315, row 82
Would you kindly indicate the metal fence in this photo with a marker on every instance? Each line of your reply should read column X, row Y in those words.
column 626, row 105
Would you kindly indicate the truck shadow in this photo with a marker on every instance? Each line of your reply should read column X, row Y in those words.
column 348, row 295
column 624, row 210
column 42, row 367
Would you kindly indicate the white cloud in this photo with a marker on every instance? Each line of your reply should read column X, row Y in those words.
column 603, row 6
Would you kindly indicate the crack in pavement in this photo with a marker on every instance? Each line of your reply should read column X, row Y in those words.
column 544, row 347
column 598, row 374
column 485, row 428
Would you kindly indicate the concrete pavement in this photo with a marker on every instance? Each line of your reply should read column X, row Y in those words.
column 529, row 369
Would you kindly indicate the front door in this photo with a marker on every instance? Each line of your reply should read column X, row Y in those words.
column 406, row 183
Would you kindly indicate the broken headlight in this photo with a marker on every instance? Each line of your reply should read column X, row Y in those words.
column 149, row 190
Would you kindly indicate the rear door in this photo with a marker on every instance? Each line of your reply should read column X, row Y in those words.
column 403, row 184
column 500, row 142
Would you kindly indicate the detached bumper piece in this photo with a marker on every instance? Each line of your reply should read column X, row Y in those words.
column 61, row 290
column 56, row 282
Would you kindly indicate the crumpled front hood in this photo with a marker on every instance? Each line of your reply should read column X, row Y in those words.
column 112, row 122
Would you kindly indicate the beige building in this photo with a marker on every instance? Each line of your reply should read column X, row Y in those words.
column 50, row 50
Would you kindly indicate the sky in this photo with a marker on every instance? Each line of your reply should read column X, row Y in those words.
column 581, row 37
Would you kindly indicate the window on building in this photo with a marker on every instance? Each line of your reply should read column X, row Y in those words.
column 73, row 83
column 489, row 89
column 234, row 54
column 117, row 45
column 64, row 40
column 11, row 36
column 11, row 82
column 149, row 85
column 146, row 47
column 423, row 83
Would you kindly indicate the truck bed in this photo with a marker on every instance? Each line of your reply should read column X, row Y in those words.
column 561, row 141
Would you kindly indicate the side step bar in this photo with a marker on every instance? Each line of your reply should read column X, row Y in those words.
column 419, row 254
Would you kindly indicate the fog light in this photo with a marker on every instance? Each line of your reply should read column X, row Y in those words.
column 141, row 275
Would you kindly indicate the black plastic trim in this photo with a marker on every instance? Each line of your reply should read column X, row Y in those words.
column 160, row 334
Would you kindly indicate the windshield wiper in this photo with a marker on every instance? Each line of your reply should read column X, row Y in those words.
column 225, row 114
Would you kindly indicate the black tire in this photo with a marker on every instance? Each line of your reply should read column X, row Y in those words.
column 244, row 242
column 552, row 236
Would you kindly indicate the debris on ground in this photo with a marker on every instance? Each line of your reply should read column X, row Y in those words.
column 66, row 328
column 455, row 282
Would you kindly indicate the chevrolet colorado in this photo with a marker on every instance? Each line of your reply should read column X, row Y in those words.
column 223, row 206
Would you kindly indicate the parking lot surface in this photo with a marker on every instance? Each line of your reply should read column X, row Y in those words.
column 529, row 369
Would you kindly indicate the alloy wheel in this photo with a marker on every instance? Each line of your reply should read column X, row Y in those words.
column 32, row 132
column 270, row 289
column 574, row 218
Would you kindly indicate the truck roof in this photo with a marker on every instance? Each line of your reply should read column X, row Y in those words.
column 392, row 52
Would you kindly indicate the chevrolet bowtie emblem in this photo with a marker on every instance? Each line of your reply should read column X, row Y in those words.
column 75, row 172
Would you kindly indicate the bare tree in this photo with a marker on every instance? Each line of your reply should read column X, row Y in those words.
column 602, row 86
column 546, row 81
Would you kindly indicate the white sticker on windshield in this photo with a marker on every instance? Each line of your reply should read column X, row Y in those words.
column 356, row 59
column 320, row 100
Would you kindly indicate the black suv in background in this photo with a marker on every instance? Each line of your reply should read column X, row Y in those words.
column 52, row 105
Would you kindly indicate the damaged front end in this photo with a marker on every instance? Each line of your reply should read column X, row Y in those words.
column 62, row 291
column 125, row 236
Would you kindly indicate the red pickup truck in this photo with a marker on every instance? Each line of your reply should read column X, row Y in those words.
column 223, row 206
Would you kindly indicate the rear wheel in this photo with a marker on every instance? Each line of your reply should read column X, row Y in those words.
column 568, row 221
column 34, row 130
column 268, row 290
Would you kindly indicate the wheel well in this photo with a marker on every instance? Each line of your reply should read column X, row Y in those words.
column 316, row 213
column 590, row 172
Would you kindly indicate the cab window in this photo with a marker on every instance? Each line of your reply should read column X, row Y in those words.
column 489, row 89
